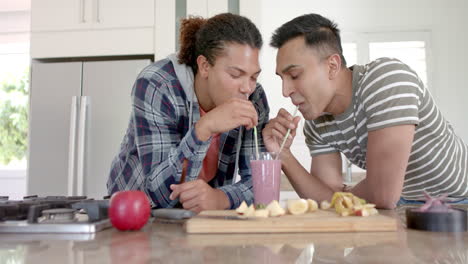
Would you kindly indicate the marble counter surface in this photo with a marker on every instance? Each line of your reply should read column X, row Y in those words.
column 168, row 243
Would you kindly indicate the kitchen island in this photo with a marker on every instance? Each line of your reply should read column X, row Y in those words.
column 161, row 242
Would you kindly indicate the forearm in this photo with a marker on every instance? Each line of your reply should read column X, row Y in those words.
column 387, row 161
column 163, row 170
column 202, row 130
column 305, row 184
column 361, row 190
column 373, row 193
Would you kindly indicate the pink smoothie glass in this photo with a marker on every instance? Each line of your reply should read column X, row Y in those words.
column 266, row 177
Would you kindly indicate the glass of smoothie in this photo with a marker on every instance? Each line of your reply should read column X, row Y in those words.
column 266, row 177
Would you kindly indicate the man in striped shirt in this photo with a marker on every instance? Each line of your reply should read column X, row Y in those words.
column 380, row 116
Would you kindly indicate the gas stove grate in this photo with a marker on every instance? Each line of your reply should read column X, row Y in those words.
column 31, row 207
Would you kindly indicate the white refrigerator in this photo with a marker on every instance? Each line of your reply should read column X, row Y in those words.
column 79, row 113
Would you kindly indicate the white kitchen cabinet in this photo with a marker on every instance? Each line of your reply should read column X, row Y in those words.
column 56, row 15
column 206, row 8
column 124, row 13
column 79, row 114
column 79, row 28
column 59, row 15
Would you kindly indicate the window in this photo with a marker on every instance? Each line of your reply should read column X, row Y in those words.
column 412, row 53
column 412, row 48
column 14, row 99
column 14, row 83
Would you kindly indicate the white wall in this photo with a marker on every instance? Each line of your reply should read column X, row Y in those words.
column 14, row 29
column 14, row 21
column 446, row 21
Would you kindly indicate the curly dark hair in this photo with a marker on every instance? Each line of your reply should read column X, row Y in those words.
column 318, row 32
column 208, row 37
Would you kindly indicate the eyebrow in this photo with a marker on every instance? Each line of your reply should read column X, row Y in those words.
column 288, row 68
column 241, row 70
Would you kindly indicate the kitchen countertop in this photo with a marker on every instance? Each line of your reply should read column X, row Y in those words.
column 167, row 243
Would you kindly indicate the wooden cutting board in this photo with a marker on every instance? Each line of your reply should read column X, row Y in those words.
column 319, row 221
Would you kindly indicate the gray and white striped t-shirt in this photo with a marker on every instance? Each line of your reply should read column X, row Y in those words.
column 388, row 93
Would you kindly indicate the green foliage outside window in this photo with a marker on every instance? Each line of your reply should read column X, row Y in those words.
column 14, row 118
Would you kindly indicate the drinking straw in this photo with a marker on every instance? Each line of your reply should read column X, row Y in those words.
column 256, row 142
column 287, row 134
column 255, row 136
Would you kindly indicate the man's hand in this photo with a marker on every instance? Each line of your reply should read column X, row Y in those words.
column 276, row 129
column 198, row 196
column 231, row 114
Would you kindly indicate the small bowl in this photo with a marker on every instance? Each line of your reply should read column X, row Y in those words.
column 452, row 221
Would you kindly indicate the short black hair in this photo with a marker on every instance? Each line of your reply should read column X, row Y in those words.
column 318, row 32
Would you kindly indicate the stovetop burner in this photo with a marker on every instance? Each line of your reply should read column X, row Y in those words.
column 59, row 215
column 53, row 214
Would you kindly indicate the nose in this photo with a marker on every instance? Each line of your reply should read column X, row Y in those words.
column 246, row 87
column 288, row 89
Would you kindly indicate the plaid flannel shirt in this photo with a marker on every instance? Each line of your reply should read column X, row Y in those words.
column 159, row 139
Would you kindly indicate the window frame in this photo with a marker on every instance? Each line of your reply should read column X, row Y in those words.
column 363, row 40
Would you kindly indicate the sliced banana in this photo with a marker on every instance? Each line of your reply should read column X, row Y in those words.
column 358, row 201
column 346, row 213
column 339, row 205
column 313, row 205
column 242, row 207
column 275, row 209
column 298, row 206
column 339, row 194
column 346, row 203
column 324, row 205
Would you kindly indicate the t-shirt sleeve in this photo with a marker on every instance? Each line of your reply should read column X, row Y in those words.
column 391, row 95
column 314, row 142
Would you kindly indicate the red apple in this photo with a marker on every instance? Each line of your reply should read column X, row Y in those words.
column 129, row 210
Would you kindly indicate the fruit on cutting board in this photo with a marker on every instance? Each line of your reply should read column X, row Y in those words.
column 275, row 209
column 297, row 206
column 250, row 211
column 346, row 203
column 324, row 205
column 313, row 205
column 241, row 209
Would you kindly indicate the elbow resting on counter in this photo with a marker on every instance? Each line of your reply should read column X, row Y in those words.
column 385, row 200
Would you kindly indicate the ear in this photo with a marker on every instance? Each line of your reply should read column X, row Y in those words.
column 203, row 66
column 334, row 66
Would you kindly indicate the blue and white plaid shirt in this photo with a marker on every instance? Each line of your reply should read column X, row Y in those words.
column 159, row 138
